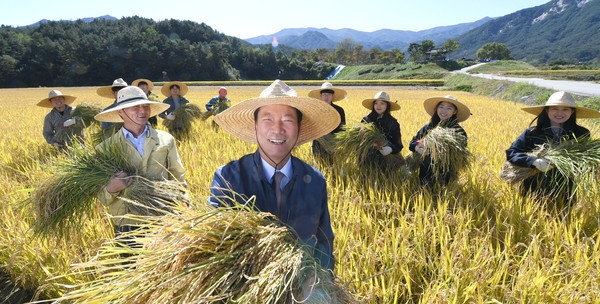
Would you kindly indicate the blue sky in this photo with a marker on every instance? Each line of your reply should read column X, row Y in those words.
column 246, row 18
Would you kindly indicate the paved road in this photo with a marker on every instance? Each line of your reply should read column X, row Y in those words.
column 583, row 88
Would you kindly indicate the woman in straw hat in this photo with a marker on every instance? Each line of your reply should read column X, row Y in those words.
column 292, row 190
column 445, row 112
column 556, row 122
column 328, row 94
column 152, row 152
column 56, row 129
column 174, row 91
column 147, row 86
column 110, row 92
column 381, row 108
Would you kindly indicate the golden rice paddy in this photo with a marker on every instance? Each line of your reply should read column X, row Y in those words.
column 476, row 241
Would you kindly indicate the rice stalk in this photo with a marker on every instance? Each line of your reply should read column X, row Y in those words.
column 63, row 200
column 327, row 142
column 184, row 117
column 447, row 149
column 359, row 142
column 233, row 255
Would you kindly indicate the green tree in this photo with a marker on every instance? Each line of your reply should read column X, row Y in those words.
column 450, row 46
column 494, row 50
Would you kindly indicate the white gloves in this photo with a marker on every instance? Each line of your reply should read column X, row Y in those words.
column 385, row 150
column 420, row 147
column 171, row 116
column 69, row 122
column 542, row 164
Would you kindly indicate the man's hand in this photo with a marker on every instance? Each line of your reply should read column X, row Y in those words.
column 118, row 183
column 69, row 122
column 171, row 116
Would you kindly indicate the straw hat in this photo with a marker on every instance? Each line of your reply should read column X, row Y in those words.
column 338, row 94
column 46, row 103
column 462, row 111
column 107, row 91
column 368, row 103
column 166, row 88
column 318, row 118
column 563, row 99
column 130, row 97
column 136, row 83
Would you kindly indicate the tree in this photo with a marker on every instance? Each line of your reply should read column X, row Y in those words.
column 415, row 52
column 494, row 50
column 450, row 46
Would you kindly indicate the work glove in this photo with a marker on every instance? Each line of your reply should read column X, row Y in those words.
column 420, row 147
column 69, row 122
column 171, row 116
column 542, row 164
column 385, row 150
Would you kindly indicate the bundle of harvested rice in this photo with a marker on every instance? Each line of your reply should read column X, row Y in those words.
column 184, row 117
column 218, row 107
column 327, row 142
column 224, row 255
column 577, row 160
column 86, row 112
column 358, row 141
column 84, row 115
column 447, row 149
column 62, row 200
column 104, row 133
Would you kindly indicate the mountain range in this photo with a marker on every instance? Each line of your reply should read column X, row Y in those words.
column 560, row 30
column 313, row 38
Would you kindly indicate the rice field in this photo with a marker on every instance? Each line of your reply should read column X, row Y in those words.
column 475, row 241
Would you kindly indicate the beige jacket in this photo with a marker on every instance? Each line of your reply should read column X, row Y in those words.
column 160, row 152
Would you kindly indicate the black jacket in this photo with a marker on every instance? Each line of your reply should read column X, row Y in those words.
column 389, row 127
column 426, row 174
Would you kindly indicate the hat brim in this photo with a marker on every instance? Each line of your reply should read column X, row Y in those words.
column 318, row 118
column 107, row 92
column 111, row 114
column 150, row 83
column 46, row 103
column 581, row 112
column 462, row 111
column 338, row 94
column 183, row 88
column 368, row 103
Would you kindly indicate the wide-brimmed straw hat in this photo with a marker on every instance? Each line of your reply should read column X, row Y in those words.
column 107, row 90
column 368, row 103
column 46, row 103
column 130, row 97
column 318, row 118
column 563, row 99
column 150, row 84
column 338, row 94
column 462, row 111
column 166, row 88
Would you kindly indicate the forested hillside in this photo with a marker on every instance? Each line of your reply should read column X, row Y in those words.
column 67, row 53
column 560, row 30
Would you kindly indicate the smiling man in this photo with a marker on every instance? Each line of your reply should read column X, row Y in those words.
column 283, row 185
column 152, row 152
column 56, row 129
